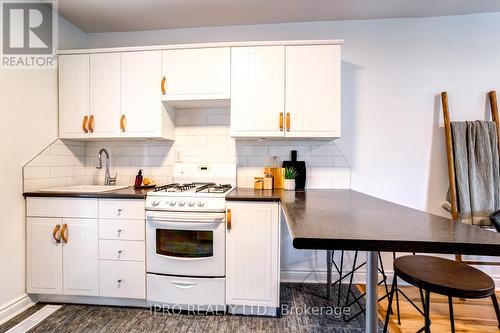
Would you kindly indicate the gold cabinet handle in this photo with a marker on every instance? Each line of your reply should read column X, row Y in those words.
column 281, row 121
column 228, row 219
column 288, row 121
column 54, row 233
column 64, row 235
column 91, row 124
column 163, row 79
column 84, row 124
column 123, row 123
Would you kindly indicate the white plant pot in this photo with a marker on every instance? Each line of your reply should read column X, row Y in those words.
column 290, row 184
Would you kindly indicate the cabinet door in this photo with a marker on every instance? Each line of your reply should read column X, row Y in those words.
column 313, row 90
column 141, row 93
column 257, row 91
column 252, row 254
column 196, row 74
column 73, row 96
column 105, row 86
column 43, row 256
column 80, row 258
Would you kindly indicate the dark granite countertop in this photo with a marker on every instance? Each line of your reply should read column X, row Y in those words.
column 350, row 220
column 126, row 193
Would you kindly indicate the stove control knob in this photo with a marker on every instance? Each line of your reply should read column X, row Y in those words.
column 191, row 204
column 201, row 204
column 181, row 203
column 155, row 203
column 172, row 203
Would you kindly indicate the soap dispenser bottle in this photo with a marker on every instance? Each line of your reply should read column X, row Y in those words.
column 138, row 179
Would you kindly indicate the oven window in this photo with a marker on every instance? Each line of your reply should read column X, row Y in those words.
column 184, row 243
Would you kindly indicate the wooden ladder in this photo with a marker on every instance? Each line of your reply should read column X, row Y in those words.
column 451, row 162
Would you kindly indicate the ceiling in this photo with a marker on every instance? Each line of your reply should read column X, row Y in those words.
column 135, row 15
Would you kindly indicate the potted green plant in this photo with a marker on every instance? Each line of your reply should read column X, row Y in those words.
column 290, row 174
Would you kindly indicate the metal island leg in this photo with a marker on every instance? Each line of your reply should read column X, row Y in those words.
column 371, row 291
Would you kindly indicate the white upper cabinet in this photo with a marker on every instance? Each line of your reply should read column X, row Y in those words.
column 113, row 95
column 285, row 91
column 312, row 90
column 257, row 91
column 196, row 77
column 73, row 96
column 105, row 93
column 142, row 112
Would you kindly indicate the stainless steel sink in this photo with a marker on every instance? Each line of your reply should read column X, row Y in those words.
column 84, row 188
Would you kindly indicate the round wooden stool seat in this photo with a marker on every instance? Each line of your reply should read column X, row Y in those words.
column 443, row 276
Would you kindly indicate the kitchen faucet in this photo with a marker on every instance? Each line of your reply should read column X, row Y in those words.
column 108, row 180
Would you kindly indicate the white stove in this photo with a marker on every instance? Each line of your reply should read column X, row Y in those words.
column 185, row 236
column 198, row 188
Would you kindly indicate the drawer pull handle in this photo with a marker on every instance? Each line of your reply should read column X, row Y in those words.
column 120, row 253
column 184, row 285
column 119, row 282
column 119, row 231
column 84, row 124
column 64, row 235
column 54, row 234
column 119, row 211
column 163, row 90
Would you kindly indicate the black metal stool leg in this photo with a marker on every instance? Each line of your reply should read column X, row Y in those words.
column 452, row 318
column 351, row 278
column 495, row 305
column 329, row 254
column 427, row 311
column 340, row 276
column 389, row 307
column 397, row 295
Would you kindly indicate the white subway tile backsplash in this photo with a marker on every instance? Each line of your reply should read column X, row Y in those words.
column 36, row 172
column 252, row 150
column 202, row 136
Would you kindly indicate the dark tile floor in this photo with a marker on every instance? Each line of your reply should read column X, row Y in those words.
column 299, row 299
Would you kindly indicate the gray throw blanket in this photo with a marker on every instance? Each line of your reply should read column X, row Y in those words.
column 477, row 170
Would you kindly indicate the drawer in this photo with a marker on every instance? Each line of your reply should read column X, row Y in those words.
column 61, row 207
column 181, row 290
column 124, row 279
column 122, row 250
column 122, row 229
column 121, row 209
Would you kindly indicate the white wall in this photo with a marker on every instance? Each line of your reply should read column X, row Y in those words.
column 28, row 108
column 392, row 73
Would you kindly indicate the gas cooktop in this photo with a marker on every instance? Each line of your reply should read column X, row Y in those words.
column 193, row 188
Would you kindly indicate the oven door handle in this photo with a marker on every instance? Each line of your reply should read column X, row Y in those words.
column 184, row 285
column 189, row 217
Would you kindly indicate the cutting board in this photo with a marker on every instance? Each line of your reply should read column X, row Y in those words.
column 300, row 166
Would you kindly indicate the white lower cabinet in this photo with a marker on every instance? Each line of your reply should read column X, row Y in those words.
column 62, row 256
column 252, row 254
column 122, row 279
column 80, row 255
column 43, row 256
column 71, row 251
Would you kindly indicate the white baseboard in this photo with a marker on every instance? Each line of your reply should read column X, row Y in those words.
column 15, row 307
column 296, row 276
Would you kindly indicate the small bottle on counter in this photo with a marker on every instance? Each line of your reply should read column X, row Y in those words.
column 138, row 179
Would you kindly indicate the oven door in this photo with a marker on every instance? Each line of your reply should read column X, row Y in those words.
column 185, row 243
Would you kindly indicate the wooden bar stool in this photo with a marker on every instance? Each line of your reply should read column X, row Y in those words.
column 444, row 277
